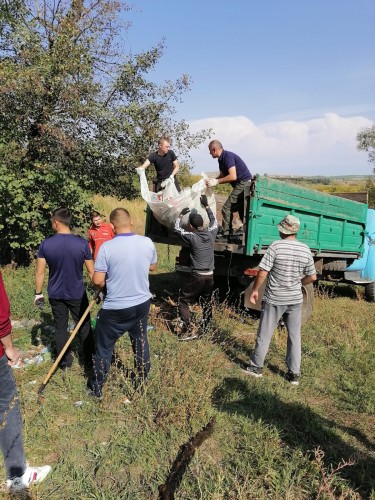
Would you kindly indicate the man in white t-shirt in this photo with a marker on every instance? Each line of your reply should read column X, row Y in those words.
column 287, row 265
column 123, row 266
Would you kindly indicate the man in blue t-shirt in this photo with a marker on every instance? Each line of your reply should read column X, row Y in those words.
column 165, row 162
column 123, row 265
column 65, row 254
column 233, row 170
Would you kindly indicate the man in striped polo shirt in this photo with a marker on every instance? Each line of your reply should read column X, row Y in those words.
column 287, row 264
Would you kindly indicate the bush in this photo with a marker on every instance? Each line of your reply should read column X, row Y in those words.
column 27, row 200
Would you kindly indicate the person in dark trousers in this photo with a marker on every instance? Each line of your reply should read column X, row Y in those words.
column 166, row 164
column 286, row 265
column 123, row 265
column 18, row 473
column 200, row 283
column 65, row 254
column 234, row 171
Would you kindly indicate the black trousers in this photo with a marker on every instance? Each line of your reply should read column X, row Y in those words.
column 60, row 311
column 196, row 287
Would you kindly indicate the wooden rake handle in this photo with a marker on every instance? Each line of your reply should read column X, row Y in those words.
column 69, row 341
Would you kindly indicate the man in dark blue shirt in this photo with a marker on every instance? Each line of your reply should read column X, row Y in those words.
column 65, row 254
column 233, row 170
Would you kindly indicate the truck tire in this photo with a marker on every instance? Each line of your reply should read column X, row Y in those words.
column 308, row 301
column 370, row 291
column 335, row 265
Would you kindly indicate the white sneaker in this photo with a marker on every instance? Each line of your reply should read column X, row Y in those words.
column 32, row 475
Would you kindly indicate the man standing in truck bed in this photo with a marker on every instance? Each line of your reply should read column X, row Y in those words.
column 233, row 170
column 166, row 164
column 287, row 265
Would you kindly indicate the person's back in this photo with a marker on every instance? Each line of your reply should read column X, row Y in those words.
column 122, row 267
column 286, row 261
column 200, row 283
column 201, row 246
column 126, row 260
column 65, row 255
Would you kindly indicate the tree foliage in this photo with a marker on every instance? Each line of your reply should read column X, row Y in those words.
column 366, row 142
column 77, row 110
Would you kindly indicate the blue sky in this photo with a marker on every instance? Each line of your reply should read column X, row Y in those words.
column 286, row 84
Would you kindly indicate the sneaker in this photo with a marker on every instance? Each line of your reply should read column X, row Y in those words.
column 253, row 371
column 292, row 378
column 187, row 336
column 32, row 475
column 92, row 394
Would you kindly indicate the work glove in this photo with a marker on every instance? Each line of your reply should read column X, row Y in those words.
column 204, row 201
column 184, row 211
column 101, row 297
column 39, row 300
column 211, row 183
column 166, row 182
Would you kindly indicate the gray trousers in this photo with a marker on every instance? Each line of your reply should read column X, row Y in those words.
column 269, row 319
column 234, row 203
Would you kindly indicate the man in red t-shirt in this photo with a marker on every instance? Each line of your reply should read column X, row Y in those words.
column 99, row 232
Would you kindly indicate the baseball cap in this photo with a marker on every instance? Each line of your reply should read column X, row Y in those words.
column 196, row 220
column 289, row 225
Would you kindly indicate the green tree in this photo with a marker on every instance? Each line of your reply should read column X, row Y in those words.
column 75, row 107
column 366, row 142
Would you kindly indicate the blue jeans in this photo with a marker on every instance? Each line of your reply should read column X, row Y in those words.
column 110, row 326
column 11, row 438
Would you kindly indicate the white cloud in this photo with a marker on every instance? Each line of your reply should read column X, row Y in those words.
column 319, row 146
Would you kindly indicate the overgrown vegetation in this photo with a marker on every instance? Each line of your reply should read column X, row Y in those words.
column 78, row 111
column 270, row 440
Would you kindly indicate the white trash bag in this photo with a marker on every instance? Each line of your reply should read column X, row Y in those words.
column 167, row 204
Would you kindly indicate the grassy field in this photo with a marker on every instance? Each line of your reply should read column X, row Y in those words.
column 261, row 438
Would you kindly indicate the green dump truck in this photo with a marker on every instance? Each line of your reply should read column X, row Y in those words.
column 334, row 228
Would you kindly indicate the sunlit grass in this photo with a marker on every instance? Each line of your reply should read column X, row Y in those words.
column 267, row 433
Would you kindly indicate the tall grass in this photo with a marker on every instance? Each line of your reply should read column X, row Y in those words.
column 270, row 440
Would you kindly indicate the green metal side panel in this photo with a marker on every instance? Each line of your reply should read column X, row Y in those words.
column 328, row 223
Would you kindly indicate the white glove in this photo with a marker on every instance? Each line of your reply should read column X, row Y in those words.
column 39, row 300
column 211, row 183
column 139, row 170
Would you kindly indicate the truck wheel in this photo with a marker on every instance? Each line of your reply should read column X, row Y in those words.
column 335, row 265
column 370, row 291
column 308, row 302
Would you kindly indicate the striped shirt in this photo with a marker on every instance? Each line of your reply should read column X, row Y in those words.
column 287, row 262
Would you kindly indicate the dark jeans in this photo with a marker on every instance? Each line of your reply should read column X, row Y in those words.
column 110, row 326
column 157, row 185
column 60, row 310
column 194, row 287
column 234, row 203
column 11, row 438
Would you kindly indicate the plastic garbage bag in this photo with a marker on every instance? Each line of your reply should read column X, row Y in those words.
column 167, row 204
